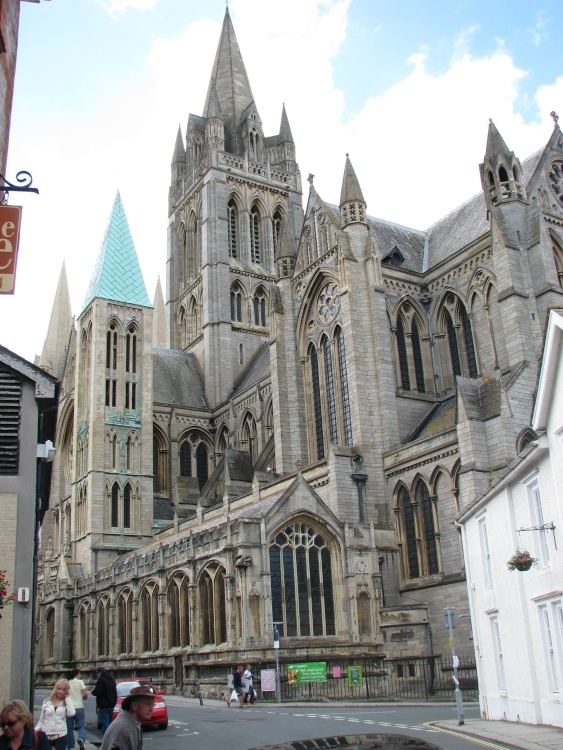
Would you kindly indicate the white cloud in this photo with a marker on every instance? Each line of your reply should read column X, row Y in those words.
column 119, row 7
column 416, row 149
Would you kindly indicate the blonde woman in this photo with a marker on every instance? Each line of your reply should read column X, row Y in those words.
column 17, row 727
column 54, row 712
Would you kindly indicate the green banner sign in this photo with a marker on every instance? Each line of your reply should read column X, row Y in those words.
column 313, row 671
column 355, row 677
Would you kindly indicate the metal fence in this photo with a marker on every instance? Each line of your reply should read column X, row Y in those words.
column 428, row 678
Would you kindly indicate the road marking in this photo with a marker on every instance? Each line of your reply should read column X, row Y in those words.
column 465, row 736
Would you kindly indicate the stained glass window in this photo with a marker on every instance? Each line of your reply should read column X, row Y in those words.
column 329, row 379
column 317, row 404
column 410, row 535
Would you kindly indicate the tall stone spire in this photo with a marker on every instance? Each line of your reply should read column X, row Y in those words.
column 179, row 150
column 352, row 203
column 285, row 135
column 55, row 348
column 159, row 318
column 117, row 275
column 501, row 171
column 232, row 87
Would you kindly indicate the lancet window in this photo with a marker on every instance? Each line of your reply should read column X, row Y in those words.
column 411, row 350
column 255, row 235
column 236, row 303
column 131, row 368
column 301, row 570
column 330, row 400
column 50, row 634
column 124, row 623
column 232, row 228
column 212, row 600
column 455, row 333
column 121, row 506
column 159, row 462
column 196, row 457
column 248, row 437
column 150, row 633
column 417, row 531
column 111, row 365
column 178, row 612
column 259, row 303
column 83, row 645
column 103, row 627
column 276, row 230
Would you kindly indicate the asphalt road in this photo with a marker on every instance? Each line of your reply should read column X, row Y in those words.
column 213, row 725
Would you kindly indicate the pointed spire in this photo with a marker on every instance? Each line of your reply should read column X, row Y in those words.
column 179, row 150
column 231, row 84
column 496, row 147
column 351, row 190
column 214, row 109
column 55, row 348
column 117, row 275
column 285, row 131
column 158, row 318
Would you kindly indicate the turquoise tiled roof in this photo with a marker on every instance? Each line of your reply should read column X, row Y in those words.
column 117, row 275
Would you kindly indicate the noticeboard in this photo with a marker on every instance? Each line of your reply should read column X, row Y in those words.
column 312, row 671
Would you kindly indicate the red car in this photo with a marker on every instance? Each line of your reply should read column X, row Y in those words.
column 159, row 716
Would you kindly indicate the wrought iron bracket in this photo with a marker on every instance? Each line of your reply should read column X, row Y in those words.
column 22, row 177
column 543, row 527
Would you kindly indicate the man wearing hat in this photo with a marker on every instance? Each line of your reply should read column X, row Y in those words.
column 125, row 732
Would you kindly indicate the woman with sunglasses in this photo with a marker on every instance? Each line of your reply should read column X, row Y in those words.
column 54, row 712
column 17, row 727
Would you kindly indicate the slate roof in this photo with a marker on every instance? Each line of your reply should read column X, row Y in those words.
column 439, row 418
column 117, row 275
column 258, row 368
column 177, row 379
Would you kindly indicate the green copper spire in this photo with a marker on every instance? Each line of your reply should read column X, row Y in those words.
column 117, row 275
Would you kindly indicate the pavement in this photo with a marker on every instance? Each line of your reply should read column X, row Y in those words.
column 515, row 734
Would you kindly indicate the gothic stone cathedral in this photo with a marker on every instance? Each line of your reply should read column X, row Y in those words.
column 289, row 437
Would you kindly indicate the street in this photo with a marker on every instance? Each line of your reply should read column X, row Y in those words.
column 213, row 725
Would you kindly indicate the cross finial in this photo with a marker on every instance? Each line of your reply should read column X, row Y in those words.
column 310, row 179
column 554, row 116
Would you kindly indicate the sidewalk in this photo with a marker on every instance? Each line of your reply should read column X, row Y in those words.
column 525, row 736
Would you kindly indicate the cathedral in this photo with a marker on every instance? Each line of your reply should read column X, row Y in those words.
column 290, row 434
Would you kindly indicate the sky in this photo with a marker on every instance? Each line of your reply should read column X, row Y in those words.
column 405, row 87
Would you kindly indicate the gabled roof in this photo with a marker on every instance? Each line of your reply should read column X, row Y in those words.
column 117, row 275
column 257, row 369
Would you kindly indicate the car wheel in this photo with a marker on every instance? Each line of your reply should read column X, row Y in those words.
column 163, row 726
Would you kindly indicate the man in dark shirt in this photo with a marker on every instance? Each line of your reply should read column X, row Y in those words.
column 106, row 697
column 237, row 684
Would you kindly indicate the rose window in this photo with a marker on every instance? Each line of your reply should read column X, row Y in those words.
column 329, row 303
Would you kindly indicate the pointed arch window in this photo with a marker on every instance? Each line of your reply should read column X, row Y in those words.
column 260, row 308
column 83, row 650
column 317, row 407
column 248, row 437
column 114, row 451
column 330, row 395
column 417, row 356
column 301, row 582
column 159, row 462
column 232, row 229
column 124, row 623
column 111, row 365
column 343, row 374
column 178, row 612
column 115, row 505
column 403, row 359
column 150, row 633
column 452, row 341
column 127, row 495
column 276, row 230
column 409, row 535
column 195, row 458
column 236, row 303
column 131, row 366
column 103, row 628
column 213, row 606
column 50, row 634
column 255, row 249
column 430, row 548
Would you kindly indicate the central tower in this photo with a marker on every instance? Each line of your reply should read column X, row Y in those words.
column 235, row 217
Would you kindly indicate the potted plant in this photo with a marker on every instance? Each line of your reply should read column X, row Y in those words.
column 521, row 560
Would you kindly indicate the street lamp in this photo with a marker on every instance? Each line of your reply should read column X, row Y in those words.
column 277, row 652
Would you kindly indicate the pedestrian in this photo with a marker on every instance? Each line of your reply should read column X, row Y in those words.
column 250, row 694
column 54, row 713
column 125, row 733
column 237, row 684
column 78, row 695
column 17, row 725
column 106, row 697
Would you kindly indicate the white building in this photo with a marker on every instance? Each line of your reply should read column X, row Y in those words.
column 518, row 616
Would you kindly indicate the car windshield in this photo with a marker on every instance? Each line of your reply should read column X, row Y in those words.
column 124, row 688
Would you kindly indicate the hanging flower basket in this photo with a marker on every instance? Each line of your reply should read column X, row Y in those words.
column 5, row 598
column 521, row 560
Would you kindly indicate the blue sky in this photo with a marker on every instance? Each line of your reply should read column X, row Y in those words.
column 406, row 88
